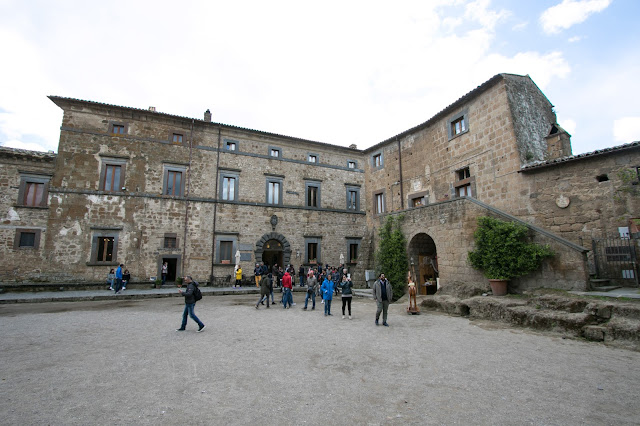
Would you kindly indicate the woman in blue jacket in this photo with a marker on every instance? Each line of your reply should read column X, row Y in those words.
column 327, row 294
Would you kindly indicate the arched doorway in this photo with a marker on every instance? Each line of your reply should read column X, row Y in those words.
column 273, row 248
column 423, row 259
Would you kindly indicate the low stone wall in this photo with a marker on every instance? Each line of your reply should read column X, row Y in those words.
column 612, row 322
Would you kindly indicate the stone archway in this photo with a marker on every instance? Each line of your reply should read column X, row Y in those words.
column 273, row 246
column 423, row 258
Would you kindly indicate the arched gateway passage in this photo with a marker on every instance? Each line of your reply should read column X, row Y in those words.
column 273, row 248
column 423, row 260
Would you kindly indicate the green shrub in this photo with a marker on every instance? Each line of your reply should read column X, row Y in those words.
column 502, row 251
column 391, row 257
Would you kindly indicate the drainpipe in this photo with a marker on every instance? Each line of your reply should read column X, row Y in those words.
column 186, row 212
column 215, row 206
column 400, row 168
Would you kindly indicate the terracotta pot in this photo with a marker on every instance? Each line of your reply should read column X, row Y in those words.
column 499, row 287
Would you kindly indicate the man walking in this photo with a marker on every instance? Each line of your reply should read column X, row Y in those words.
column 257, row 272
column 189, row 304
column 312, row 287
column 382, row 293
column 265, row 285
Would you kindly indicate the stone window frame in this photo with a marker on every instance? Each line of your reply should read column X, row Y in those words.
column 170, row 235
column 462, row 115
column 224, row 237
column 165, row 176
column 180, row 133
column 270, row 150
column 313, row 239
column 104, row 233
column 423, row 195
column 311, row 183
column 313, row 158
column 36, row 240
column 229, row 175
column 350, row 162
column 235, row 143
column 37, row 178
column 119, row 124
column 377, row 157
column 381, row 192
column 353, row 241
column 274, row 179
column 112, row 161
column 352, row 188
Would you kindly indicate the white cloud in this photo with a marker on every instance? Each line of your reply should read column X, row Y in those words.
column 626, row 129
column 569, row 13
column 574, row 39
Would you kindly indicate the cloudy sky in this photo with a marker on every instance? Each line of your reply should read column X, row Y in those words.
column 339, row 72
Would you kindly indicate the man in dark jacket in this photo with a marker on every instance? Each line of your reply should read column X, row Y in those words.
column 265, row 289
column 382, row 293
column 189, row 304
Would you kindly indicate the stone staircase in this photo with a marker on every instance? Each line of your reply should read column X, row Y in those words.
column 610, row 321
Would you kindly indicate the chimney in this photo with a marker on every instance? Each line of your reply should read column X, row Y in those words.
column 558, row 143
column 152, row 109
column 207, row 116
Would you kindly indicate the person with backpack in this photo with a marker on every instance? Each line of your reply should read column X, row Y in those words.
column 191, row 296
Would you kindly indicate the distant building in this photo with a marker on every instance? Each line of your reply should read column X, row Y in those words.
column 142, row 187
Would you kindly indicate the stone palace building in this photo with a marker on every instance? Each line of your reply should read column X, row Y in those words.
column 142, row 187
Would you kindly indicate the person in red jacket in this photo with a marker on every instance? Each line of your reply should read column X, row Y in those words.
column 286, row 285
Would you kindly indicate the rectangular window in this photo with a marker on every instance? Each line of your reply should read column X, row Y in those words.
column 111, row 182
column 353, row 198
column 228, row 188
column 105, row 249
column 312, row 251
column 33, row 194
column 274, row 152
column 312, row 190
column 418, row 201
column 377, row 160
column 458, row 126
column 170, row 242
column 312, row 158
column 230, row 146
column 351, row 164
column 463, row 173
column 177, row 138
column 226, row 251
column 28, row 239
column 174, row 183
column 353, row 253
column 379, row 203
column 118, row 129
column 274, row 192
column 464, row 191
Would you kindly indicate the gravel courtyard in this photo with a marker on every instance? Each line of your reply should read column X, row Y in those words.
column 121, row 362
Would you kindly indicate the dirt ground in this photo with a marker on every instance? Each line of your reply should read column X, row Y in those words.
column 121, row 362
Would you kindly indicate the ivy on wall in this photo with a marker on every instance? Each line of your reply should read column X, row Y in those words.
column 391, row 257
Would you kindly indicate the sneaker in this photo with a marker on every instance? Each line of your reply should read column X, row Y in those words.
column 343, row 317
column 349, row 316
column 323, row 302
column 385, row 324
column 200, row 329
column 124, row 288
column 377, row 322
column 313, row 309
column 179, row 329
column 325, row 315
column 257, row 305
column 111, row 288
column 304, row 309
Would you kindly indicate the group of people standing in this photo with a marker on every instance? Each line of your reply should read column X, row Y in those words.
column 118, row 279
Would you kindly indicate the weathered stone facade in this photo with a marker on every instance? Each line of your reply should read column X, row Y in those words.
column 141, row 187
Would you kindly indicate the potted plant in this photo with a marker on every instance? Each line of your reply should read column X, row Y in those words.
column 502, row 252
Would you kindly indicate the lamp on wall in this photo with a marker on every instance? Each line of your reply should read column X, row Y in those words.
column 297, row 254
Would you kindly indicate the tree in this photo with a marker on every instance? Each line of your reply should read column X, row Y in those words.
column 391, row 257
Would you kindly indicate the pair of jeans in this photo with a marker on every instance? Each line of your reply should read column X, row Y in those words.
column 188, row 310
column 118, row 286
column 287, row 297
column 327, row 306
column 311, row 295
column 382, row 307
